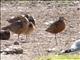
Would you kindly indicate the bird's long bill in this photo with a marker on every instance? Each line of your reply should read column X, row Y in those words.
column 65, row 19
column 34, row 27
column 26, row 19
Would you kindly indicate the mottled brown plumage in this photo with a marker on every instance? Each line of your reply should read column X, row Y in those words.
column 16, row 18
column 31, row 25
column 30, row 29
column 20, row 25
column 57, row 26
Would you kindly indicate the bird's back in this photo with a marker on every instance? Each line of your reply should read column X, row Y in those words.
column 16, row 18
column 16, row 27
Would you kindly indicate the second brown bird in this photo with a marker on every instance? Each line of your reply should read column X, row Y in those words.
column 57, row 27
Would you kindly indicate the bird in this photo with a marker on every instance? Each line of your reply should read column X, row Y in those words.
column 57, row 27
column 20, row 25
column 4, row 34
column 31, row 26
column 74, row 47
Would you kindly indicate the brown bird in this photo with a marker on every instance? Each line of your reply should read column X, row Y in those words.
column 4, row 35
column 20, row 25
column 31, row 25
column 57, row 27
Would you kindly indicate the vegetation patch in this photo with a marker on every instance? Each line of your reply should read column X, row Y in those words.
column 59, row 57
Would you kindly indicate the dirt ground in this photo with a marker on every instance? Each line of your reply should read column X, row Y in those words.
column 40, row 40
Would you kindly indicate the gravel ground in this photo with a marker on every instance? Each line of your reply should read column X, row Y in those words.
column 40, row 40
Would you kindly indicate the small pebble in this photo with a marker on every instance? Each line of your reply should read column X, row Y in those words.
column 16, row 43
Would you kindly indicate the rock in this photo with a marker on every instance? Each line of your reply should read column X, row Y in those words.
column 12, row 50
column 18, row 51
column 78, row 8
column 51, row 50
column 74, row 47
column 16, row 43
column 4, row 35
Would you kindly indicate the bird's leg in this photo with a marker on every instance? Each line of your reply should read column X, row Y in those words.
column 18, row 36
column 56, row 39
column 26, row 37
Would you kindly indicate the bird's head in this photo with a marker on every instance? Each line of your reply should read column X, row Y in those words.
column 26, row 15
column 62, row 18
column 30, row 18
